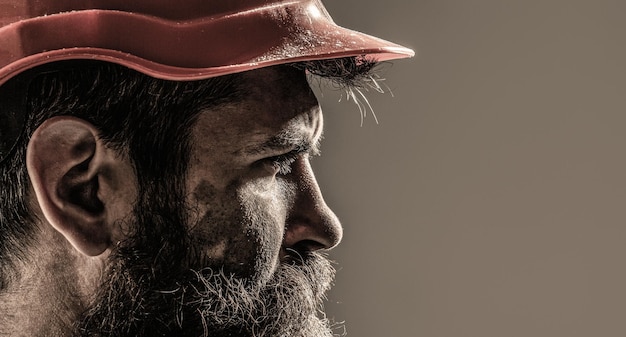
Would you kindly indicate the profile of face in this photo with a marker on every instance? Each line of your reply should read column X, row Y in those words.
column 230, row 248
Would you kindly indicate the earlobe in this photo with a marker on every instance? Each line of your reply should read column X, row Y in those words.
column 65, row 159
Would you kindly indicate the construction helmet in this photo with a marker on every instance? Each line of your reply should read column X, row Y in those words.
column 169, row 39
column 178, row 40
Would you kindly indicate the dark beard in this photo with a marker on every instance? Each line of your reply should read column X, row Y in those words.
column 151, row 288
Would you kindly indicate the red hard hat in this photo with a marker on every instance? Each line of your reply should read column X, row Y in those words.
column 178, row 40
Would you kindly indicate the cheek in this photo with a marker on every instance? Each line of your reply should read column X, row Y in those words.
column 263, row 216
column 239, row 229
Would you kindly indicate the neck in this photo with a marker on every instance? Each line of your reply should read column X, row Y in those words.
column 49, row 290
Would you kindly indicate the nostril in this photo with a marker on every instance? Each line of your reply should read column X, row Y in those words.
column 308, row 246
column 301, row 251
column 308, row 236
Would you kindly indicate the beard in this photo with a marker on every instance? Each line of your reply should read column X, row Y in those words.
column 157, row 284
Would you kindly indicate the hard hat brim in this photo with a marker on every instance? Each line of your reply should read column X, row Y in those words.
column 192, row 49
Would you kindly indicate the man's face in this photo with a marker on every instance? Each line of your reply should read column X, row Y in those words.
column 250, row 182
column 250, row 216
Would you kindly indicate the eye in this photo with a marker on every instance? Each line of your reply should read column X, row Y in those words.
column 281, row 164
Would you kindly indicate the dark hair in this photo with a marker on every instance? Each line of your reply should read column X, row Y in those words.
column 147, row 117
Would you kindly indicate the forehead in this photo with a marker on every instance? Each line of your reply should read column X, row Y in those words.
column 273, row 101
column 283, row 92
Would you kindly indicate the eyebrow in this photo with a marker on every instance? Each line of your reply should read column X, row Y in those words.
column 287, row 140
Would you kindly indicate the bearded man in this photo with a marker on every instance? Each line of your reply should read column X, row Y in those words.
column 154, row 165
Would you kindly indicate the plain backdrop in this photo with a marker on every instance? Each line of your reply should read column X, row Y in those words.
column 490, row 200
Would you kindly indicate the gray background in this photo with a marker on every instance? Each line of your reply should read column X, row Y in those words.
column 490, row 199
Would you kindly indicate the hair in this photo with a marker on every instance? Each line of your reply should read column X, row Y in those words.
column 133, row 112
column 147, row 118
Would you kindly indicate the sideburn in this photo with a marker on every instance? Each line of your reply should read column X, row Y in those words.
column 146, row 267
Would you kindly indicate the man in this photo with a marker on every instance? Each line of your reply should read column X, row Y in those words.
column 154, row 173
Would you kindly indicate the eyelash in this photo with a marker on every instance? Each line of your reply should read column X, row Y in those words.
column 283, row 162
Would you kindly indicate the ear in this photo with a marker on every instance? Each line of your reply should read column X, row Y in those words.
column 79, row 183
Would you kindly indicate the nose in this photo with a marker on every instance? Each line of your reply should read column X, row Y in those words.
column 311, row 224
